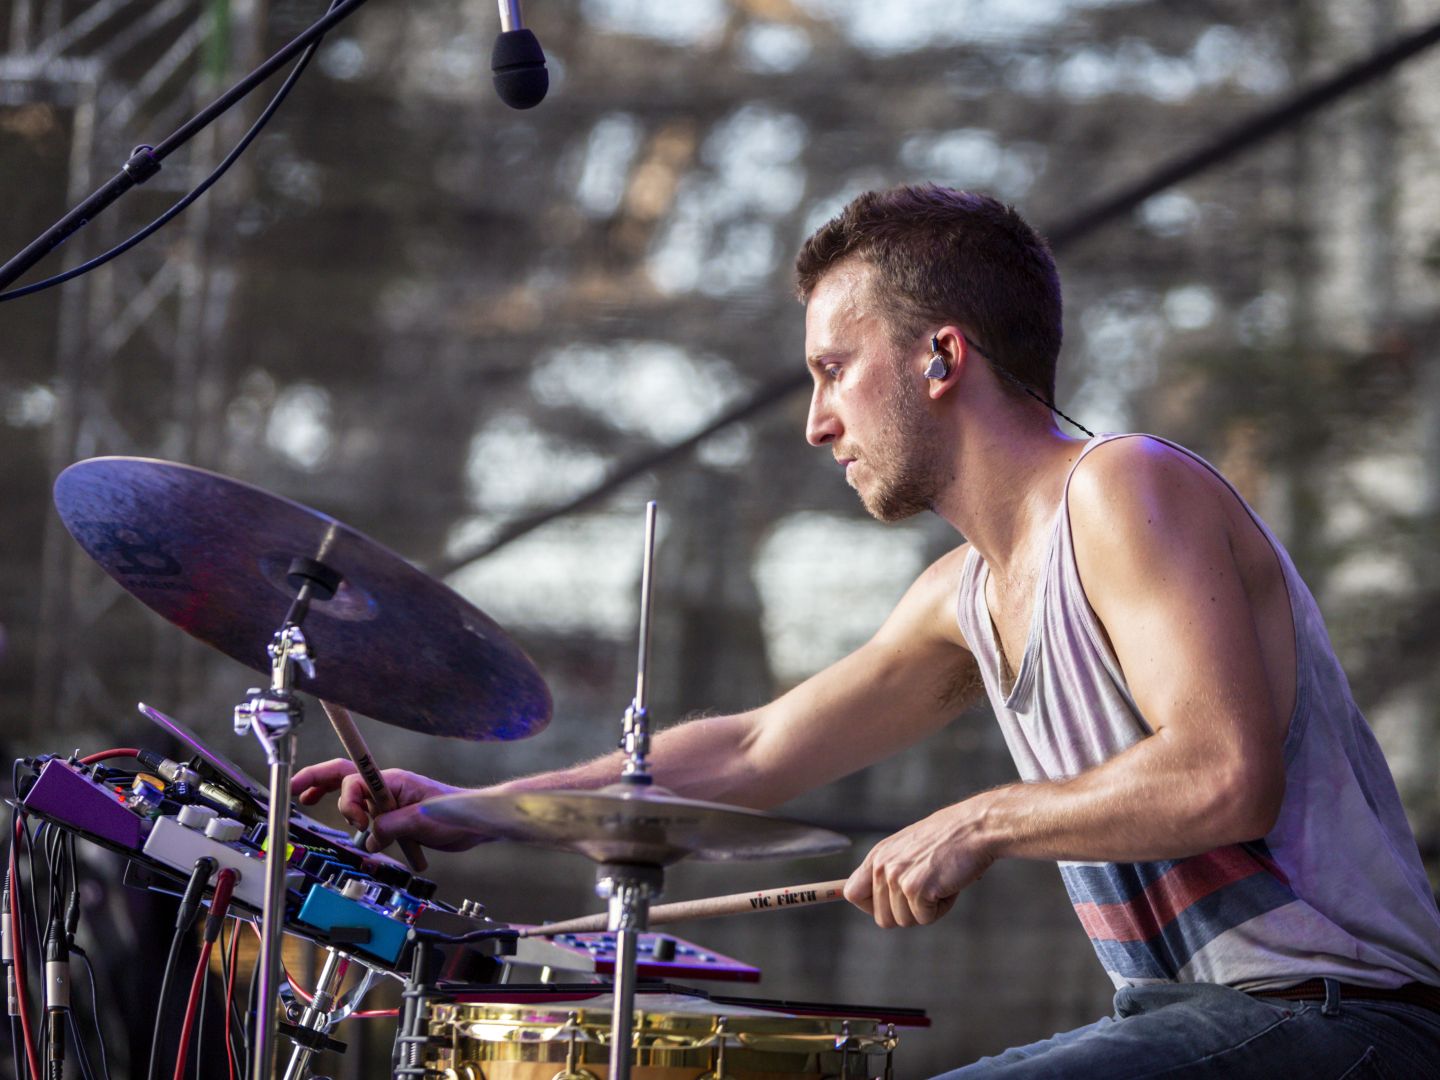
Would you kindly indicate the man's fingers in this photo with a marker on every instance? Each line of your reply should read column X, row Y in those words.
column 386, row 828
column 858, row 890
column 409, row 823
column 880, row 888
column 939, row 909
column 902, row 910
column 315, row 781
column 354, row 802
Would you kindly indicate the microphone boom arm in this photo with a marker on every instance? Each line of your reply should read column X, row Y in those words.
column 144, row 161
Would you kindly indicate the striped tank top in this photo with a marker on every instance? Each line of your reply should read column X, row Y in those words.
column 1336, row 889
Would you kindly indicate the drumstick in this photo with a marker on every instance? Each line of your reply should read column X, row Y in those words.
column 359, row 753
column 821, row 892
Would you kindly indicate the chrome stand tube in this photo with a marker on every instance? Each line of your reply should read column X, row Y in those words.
column 317, row 1014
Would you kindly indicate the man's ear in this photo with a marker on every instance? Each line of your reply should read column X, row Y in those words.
column 948, row 353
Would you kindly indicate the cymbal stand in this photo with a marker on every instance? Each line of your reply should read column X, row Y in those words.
column 636, row 731
column 629, row 888
column 274, row 716
column 316, row 1016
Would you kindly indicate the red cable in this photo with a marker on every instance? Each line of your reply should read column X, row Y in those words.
column 191, row 1008
column 219, row 902
column 17, row 942
column 230, row 998
column 119, row 751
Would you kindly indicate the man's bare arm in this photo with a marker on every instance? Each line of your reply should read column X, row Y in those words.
column 911, row 678
column 1155, row 553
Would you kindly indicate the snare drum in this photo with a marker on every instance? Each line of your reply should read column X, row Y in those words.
column 676, row 1037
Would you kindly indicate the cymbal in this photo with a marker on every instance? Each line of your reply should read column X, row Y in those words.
column 211, row 554
column 631, row 823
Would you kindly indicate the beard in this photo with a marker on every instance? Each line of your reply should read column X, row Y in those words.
column 907, row 462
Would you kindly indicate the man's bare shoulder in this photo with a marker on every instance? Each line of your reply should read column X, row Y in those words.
column 928, row 607
column 1142, row 483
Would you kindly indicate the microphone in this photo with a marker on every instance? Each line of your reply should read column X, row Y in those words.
column 517, row 63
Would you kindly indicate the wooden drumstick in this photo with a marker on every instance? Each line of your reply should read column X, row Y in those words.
column 822, row 892
column 359, row 753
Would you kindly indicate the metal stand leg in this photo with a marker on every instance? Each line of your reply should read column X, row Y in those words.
column 629, row 889
column 316, row 1014
column 411, row 1036
column 272, row 922
column 273, row 716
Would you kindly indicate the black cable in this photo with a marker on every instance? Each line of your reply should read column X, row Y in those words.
column 80, row 1053
column 465, row 939
column 39, row 950
column 200, row 189
column 16, row 1035
column 57, row 982
column 69, row 922
column 94, row 1014
column 184, row 920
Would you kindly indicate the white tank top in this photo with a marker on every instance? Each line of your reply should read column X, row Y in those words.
column 1336, row 889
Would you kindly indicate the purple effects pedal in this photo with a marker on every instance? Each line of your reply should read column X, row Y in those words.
column 62, row 794
column 661, row 956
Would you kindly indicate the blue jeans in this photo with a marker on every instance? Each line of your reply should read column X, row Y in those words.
column 1199, row 1030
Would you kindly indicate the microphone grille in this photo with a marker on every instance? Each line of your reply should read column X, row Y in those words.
column 518, row 65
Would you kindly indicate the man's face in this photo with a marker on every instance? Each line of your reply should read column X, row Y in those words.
column 868, row 404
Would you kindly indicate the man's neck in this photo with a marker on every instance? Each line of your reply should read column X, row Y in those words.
column 1008, row 479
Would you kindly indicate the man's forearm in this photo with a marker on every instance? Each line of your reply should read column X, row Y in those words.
column 704, row 758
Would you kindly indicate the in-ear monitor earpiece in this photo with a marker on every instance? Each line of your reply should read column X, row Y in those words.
column 937, row 368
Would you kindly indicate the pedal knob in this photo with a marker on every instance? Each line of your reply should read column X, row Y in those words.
column 194, row 816
column 226, row 830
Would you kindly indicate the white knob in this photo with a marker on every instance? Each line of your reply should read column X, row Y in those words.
column 194, row 816
column 226, row 830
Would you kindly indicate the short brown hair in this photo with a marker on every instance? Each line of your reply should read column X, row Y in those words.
column 941, row 256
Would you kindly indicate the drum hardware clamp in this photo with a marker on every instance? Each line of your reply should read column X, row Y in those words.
column 274, row 716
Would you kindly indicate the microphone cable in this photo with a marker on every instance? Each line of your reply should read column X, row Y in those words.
column 219, row 905
column 95, row 1015
column 70, row 876
column 57, row 998
column 184, row 920
column 200, row 189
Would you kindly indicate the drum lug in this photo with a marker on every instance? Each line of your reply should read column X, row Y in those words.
column 717, row 1064
column 572, row 1071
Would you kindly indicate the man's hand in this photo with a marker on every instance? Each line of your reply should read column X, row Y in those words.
column 913, row 877
column 313, row 782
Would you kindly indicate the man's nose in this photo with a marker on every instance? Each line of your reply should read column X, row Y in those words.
column 821, row 427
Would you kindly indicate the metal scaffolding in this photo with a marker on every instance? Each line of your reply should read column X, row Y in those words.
column 118, row 73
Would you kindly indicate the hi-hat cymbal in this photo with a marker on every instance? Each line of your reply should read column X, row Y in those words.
column 632, row 823
column 211, row 554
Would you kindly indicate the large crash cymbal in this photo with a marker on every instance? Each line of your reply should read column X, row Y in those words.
column 631, row 823
column 211, row 554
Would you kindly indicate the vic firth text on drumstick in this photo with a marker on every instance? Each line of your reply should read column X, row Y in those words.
column 822, row 892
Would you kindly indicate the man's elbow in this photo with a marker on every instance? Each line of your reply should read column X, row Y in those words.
column 1247, row 803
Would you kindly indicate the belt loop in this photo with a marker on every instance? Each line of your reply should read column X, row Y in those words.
column 1332, row 998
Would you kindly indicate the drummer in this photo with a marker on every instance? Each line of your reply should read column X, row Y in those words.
column 1189, row 749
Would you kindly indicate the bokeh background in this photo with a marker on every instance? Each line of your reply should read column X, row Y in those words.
column 436, row 318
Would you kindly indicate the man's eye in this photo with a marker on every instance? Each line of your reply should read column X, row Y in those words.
column 832, row 371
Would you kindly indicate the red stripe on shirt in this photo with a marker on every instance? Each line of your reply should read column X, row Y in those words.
column 1146, row 914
